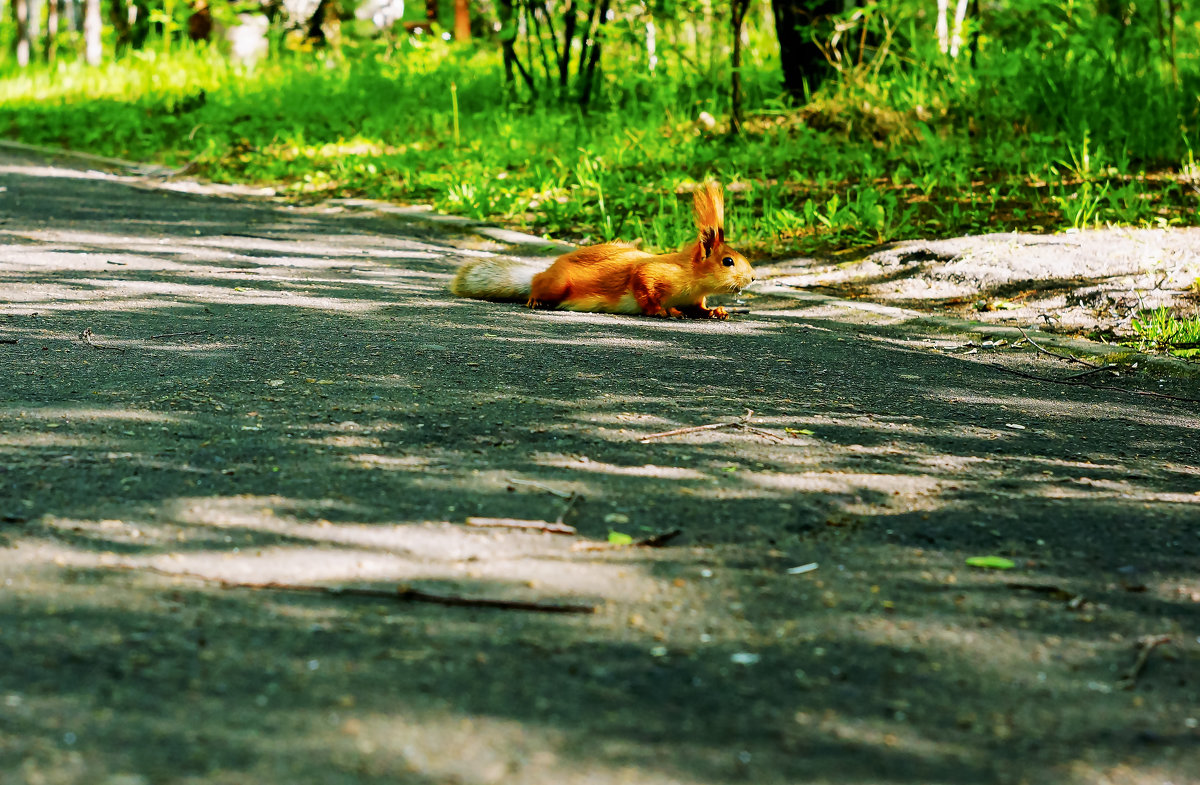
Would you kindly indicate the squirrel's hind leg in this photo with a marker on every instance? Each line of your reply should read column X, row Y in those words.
column 547, row 291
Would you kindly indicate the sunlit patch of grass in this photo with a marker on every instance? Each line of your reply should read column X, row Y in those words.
column 895, row 147
column 1159, row 329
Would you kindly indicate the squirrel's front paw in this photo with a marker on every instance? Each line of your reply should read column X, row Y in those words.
column 718, row 313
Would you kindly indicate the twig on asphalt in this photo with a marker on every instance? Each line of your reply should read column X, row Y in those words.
column 557, row 527
column 761, row 432
column 172, row 335
column 8, row 340
column 1090, row 371
column 87, row 335
column 743, row 424
column 400, row 593
column 540, row 487
column 653, row 541
column 520, row 523
column 574, row 497
column 1044, row 350
column 657, row 540
column 1146, row 644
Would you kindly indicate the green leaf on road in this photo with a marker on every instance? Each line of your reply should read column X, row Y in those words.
column 619, row 538
column 991, row 562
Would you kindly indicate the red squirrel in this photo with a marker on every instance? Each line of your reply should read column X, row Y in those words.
column 618, row 278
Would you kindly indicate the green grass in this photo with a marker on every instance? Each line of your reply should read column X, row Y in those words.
column 1055, row 133
column 1158, row 329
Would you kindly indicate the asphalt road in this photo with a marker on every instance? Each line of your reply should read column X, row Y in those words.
column 200, row 391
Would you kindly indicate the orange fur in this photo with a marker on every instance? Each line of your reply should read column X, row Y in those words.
column 617, row 278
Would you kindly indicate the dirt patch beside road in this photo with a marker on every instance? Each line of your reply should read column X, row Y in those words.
column 1083, row 283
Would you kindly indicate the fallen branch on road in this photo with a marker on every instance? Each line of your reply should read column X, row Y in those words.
column 1044, row 350
column 1069, row 381
column 1146, row 644
column 658, row 540
column 742, row 424
column 400, row 593
column 520, row 523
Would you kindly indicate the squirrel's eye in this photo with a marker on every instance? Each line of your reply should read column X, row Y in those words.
column 727, row 261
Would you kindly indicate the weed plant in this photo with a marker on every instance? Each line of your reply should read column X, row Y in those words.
column 1158, row 329
column 1056, row 131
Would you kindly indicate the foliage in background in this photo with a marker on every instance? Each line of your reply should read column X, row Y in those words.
column 1056, row 116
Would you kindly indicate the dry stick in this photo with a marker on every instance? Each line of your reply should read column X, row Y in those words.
column 558, row 527
column 710, row 427
column 658, row 540
column 1090, row 371
column 8, row 340
column 574, row 497
column 1147, row 644
column 540, row 487
column 400, row 593
column 742, row 424
column 1149, row 393
column 653, row 541
column 1044, row 350
column 172, row 335
column 87, row 335
column 761, row 432
column 519, row 523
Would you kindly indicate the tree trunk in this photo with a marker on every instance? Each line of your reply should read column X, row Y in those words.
column 960, row 17
column 51, row 48
column 804, row 65
column 589, row 76
column 737, row 19
column 652, row 43
column 118, row 14
column 431, row 11
column 462, row 20
column 91, row 31
column 22, row 43
column 942, row 26
column 564, row 59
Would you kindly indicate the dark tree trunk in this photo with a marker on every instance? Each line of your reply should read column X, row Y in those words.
column 593, row 52
column 737, row 19
column 508, row 44
column 801, row 58
column 564, row 60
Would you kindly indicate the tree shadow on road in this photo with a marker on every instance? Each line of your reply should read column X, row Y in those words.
column 322, row 411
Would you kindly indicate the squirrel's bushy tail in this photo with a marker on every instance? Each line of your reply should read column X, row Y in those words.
column 498, row 279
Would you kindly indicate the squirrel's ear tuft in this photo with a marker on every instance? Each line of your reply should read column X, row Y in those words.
column 709, row 238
